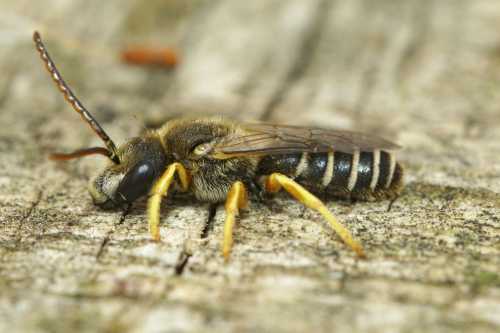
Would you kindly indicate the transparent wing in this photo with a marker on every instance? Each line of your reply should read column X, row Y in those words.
column 266, row 139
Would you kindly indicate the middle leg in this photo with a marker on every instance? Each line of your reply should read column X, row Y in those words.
column 237, row 198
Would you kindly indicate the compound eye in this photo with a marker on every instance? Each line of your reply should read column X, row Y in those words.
column 202, row 149
column 136, row 182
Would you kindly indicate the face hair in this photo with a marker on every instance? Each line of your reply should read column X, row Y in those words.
column 75, row 103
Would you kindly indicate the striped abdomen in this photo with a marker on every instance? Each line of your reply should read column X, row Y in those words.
column 360, row 175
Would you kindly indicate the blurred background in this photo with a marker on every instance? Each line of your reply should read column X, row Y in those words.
column 423, row 73
column 418, row 73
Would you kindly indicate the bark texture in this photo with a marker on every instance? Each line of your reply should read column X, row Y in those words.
column 425, row 73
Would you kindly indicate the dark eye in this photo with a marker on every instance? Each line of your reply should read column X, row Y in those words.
column 136, row 182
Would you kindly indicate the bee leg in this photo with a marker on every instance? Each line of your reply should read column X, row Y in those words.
column 159, row 190
column 276, row 181
column 237, row 198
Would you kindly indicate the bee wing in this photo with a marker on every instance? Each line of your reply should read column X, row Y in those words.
column 266, row 139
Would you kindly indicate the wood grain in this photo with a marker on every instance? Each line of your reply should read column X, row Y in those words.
column 425, row 74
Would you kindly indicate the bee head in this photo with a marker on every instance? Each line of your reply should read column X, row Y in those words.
column 136, row 164
column 142, row 160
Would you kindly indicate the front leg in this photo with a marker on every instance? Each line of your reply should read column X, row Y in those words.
column 159, row 190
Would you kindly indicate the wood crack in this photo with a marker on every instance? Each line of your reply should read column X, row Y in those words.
column 186, row 254
column 107, row 238
column 303, row 60
column 27, row 216
column 209, row 224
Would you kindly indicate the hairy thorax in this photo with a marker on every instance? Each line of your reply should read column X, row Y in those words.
column 211, row 178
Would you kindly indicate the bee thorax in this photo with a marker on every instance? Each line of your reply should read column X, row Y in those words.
column 214, row 178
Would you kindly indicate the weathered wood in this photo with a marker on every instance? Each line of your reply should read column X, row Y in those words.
column 425, row 73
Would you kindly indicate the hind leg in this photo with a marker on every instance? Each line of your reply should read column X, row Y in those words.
column 276, row 181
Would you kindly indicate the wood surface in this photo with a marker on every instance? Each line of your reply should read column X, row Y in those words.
column 424, row 73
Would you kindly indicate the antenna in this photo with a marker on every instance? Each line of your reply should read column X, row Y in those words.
column 71, row 98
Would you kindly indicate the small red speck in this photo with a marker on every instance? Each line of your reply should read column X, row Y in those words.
column 165, row 57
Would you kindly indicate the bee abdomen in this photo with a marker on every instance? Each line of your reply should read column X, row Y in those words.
column 360, row 175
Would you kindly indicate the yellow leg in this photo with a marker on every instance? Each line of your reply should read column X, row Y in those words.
column 236, row 199
column 276, row 181
column 159, row 190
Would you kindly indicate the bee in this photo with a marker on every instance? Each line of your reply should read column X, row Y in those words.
column 223, row 161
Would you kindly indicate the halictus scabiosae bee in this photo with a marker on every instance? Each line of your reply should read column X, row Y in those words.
column 219, row 161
